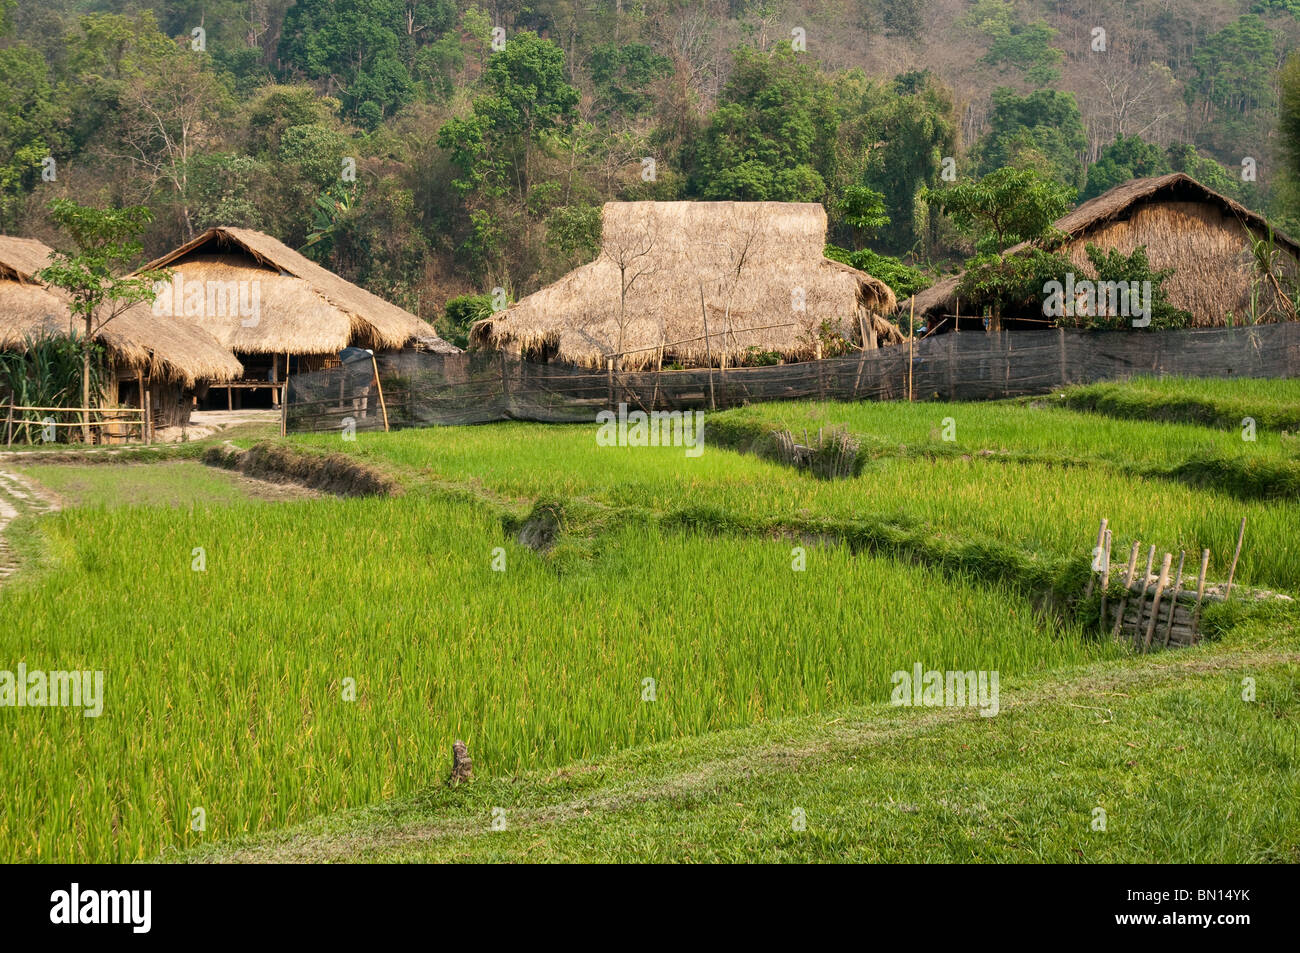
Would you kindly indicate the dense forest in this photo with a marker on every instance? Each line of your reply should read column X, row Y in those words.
column 433, row 150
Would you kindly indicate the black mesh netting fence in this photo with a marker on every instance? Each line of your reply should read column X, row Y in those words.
column 423, row 389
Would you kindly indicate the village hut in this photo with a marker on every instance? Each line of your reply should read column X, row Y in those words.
column 279, row 312
column 1206, row 238
column 158, row 356
column 695, row 284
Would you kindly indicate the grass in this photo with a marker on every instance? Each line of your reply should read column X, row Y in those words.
column 1184, row 769
column 169, row 483
column 1049, row 508
column 226, row 687
column 1224, row 404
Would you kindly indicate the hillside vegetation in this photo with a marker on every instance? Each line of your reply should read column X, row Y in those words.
column 436, row 150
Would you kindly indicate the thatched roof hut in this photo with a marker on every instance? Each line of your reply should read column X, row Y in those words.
column 1204, row 236
column 302, row 308
column 753, row 271
column 159, row 347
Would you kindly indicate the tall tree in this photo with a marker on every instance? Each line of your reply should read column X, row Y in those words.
column 96, row 276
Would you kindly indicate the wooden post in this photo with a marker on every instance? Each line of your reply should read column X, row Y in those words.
column 708, row 351
column 1105, row 580
column 147, row 423
column 9, row 421
column 911, row 334
column 1161, row 582
column 380, row 387
column 1173, row 600
column 609, row 382
column 1128, row 587
column 1096, row 551
column 284, row 399
column 862, row 359
column 1241, row 535
column 1200, row 592
column 952, row 365
column 1142, row 600
column 1060, row 338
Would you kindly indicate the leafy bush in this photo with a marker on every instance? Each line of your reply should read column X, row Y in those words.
column 903, row 279
column 459, row 313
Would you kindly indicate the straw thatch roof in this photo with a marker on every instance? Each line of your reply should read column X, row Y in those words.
column 302, row 307
column 1204, row 236
column 161, row 347
column 758, row 266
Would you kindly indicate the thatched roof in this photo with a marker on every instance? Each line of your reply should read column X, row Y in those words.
column 1114, row 206
column 757, row 265
column 162, row 347
column 304, row 308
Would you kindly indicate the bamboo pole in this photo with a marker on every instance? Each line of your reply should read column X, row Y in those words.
column 380, row 387
column 1105, row 580
column 1241, row 536
column 1161, row 582
column 1096, row 552
column 1173, row 600
column 284, row 399
column 911, row 334
column 9, row 420
column 1142, row 599
column 1200, row 592
column 1128, row 586
column 708, row 351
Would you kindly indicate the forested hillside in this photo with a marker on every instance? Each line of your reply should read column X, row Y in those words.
column 433, row 149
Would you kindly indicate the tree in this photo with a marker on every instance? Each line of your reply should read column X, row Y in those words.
column 772, row 136
column 1043, row 128
column 895, row 141
column 1128, row 157
column 167, row 120
column 1289, row 121
column 525, row 110
column 1002, row 209
column 93, row 276
column 1235, row 72
column 863, row 209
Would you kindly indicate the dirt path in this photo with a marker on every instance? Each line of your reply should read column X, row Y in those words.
column 18, row 497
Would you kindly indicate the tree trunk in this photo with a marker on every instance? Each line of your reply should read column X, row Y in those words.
column 85, row 384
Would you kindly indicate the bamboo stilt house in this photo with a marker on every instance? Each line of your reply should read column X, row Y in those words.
column 698, row 283
column 278, row 311
column 1206, row 238
column 162, row 356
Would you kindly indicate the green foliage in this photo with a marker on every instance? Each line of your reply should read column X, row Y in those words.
column 864, row 209
column 623, row 73
column 772, row 135
column 1128, row 157
column 901, row 132
column 903, row 279
column 461, row 312
column 1027, row 47
column 45, row 371
column 1234, row 76
column 573, row 231
column 526, row 101
column 1043, row 129
column 356, row 43
column 1004, row 208
column 1126, row 271
column 107, row 242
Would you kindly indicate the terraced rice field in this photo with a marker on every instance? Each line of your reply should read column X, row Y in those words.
column 271, row 663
